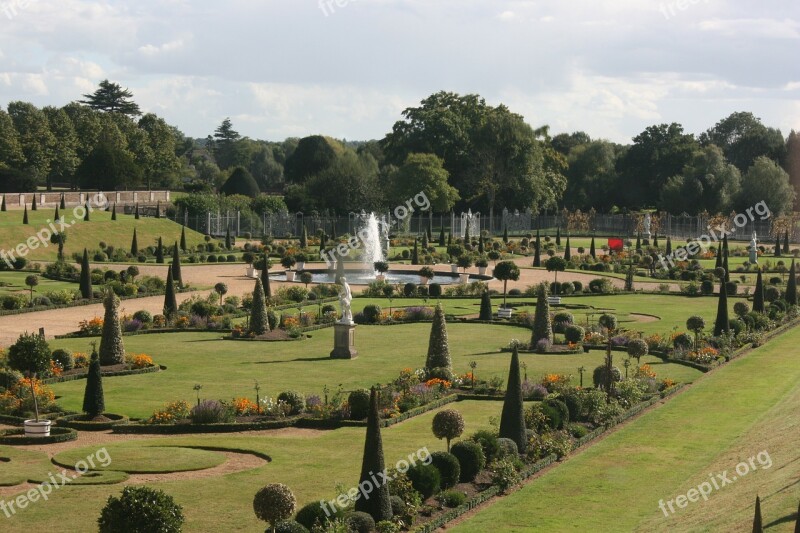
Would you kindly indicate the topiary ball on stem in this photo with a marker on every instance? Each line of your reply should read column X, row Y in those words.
column 273, row 503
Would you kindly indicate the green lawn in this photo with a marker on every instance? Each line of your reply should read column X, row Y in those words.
column 14, row 283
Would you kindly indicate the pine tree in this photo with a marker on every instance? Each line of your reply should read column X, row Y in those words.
column 265, row 279
column 25, row 215
column 86, row 212
column 758, row 297
column 442, row 239
column 778, row 246
column 85, row 277
column 757, row 524
column 505, row 234
column 183, row 238
column 34, row 207
column 668, row 249
column 542, row 326
column 512, row 419
column 170, row 302
column 259, row 322
column 567, row 251
column 114, row 211
column 63, row 201
column 791, row 286
column 722, row 323
column 176, row 266
column 486, row 306
column 415, row 253
column 592, row 250
column 136, row 212
column 134, row 244
column 537, row 253
column 438, row 346
column 3, row 205
column 378, row 505
column 786, row 242
column 112, row 350
column 93, row 399
column 160, row 251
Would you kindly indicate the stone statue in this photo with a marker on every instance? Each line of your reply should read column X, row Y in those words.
column 345, row 297
column 647, row 226
column 753, row 248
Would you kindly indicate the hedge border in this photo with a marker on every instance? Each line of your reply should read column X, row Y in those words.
column 107, row 374
column 57, row 434
column 70, row 421
column 179, row 429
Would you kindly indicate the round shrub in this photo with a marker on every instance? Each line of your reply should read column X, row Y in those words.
column 435, row 290
column 448, row 424
column 772, row 293
column 578, row 286
column 141, row 510
column 578, row 431
column 359, row 522
column 488, row 443
column 561, row 320
column 737, row 326
column 448, row 467
column 30, row 354
column 707, row 287
column 290, row 526
column 566, row 288
column 563, row 412
column 64, row 359
column 508, row 448
column 295, row 400
column 574, row 403
column 398, row 505
column 409, row 289
column 143, row 316
column 682, row 342
column 358, row 400
column 9, row 378
column 637, row 348
column 574, row 333
column 210, row 412
column 453, row 498
column 470, row 459
column 313, row 514
column 514, row 292
column 372, row 313
column 212, row 258
column 732, row 287
column 425, row 479
column 273, row 503
column 599, row 375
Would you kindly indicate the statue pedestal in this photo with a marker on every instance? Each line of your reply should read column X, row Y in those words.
column 344, row 341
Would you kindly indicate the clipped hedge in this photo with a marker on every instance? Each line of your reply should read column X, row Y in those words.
column 107, row 374
column 16, row 437
column 71, row 421
column 177, row 429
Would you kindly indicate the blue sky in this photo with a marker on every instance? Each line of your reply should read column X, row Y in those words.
column 347, row 68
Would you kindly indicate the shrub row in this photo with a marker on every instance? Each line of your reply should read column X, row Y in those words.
column 16, row 437
column 105, row 374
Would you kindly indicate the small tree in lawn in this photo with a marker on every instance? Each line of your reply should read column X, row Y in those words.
column 696, row 324
column 464, row 262
column 486, row 306
column 505, row 271
column 542, row 325
column 141, row 509
column 221, row 289
column 438, row 346
column 86, row 277
column 31, row 281
column 177, row 277
column 512, row 419
column 112, row 350
column 306, row 278
column 378, row 505
column 134, row 244
column 93, row 399
column 59, row 239
column 637, row 348
column 448, row 424
column 556, row 264
column 160, row 251
column 273, row 503
column 170, row 301
column 259, row 321
column 609, row 322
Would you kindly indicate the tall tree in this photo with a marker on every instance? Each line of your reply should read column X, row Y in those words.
column 377, row 505
column 35, row 139
column 93, row 399
column 791, row 163
column 170, row 308
column 112, row 98
column 743, row 139
column 512, row 418
column 86, row 276
column 162, row 166
column 767, row 182
column 65, row 159
column 112, row 349
column 423, row 173
column 225, row 144
column 11, row 155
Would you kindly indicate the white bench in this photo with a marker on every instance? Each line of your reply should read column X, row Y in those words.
column 504, row 312
column 554, row 300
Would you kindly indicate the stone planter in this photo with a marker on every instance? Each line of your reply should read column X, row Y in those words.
column 464, row 278
column 251, row 272
column 300, row 266
column 482, row 271
column 423, row 280
column 504, row 312
column 290, row 275
column 37, row 429
column 454, row 268
column 380, row 277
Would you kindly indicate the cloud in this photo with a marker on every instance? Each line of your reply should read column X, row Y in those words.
column 753, row 27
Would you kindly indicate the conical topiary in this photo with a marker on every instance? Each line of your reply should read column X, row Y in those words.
column 638, row 242
column 791, row 286
column 378, row 505
column 134, row 244
column 777, row 246
column 25, row 215
column 592, row 250
column 158, row 209
column 542, row 326
column 228, row 242
column 183, row 238
column 85, row 284
column 567, row 251
column 170, row 301
column 136, row 212
column 668, row 248
column 722, row 323
column 304, row 238
column 655, row 240
column 537, row 253
column 114, row 211
column 160, row 251
column 725, row 254
column 265, row 278
column 339, row 269
column 86, row 212
column 259, row 322
column 56, row 215
column 93, row 400
column 757, row 523
column 486, row 306
column 718, row 262
column 415, row 253
column 505, row 234
column 758, row 296
column 442, row 238
column 786, row 242
column 176, row 266
column 34, row 207
column 112, row 350
column 797, row 523
column 438, row 346
column 512, row 419
column 3, row 204
column 63, row 204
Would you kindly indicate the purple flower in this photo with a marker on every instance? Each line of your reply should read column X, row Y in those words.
column 132, row 325
column 543, row 345
column 533, row 391
column 619, row 340
column 313, row 401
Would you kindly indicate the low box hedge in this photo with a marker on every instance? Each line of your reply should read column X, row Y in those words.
column 16, row 437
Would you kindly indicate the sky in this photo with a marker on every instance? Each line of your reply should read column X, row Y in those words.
column 348, row 68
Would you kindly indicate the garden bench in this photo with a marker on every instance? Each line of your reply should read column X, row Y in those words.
column 554, row 300
column 504, row 312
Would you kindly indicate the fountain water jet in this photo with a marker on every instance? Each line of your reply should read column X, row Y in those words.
column 371, row 235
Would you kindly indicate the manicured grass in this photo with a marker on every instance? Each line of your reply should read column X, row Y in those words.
column 18, row 464
column 744, row 408
column 228, row 369
column 14, row 283
column 133, row 458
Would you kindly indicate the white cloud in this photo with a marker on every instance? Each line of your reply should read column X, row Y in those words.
column 753, row 27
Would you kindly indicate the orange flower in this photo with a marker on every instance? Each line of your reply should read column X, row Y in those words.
column 244, row 406
column 444, row 384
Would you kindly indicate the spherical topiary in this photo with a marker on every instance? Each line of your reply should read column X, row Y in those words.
column 561, row 320
column 741, row 308
column 294, row 399
column 358, row 400
column 435, row 290
column 771, row 294
column 563, row 412
column 637, row 348
column 290, row 526
column 398, row 505
column 682, row 341
column 145, row 317
column 372, row 313
column 448, row 467
column 608, row 321
column 30, row 353
column 359, row 522
column 574, row 333
column 425, row 479
column 141, row 510
column 470, row 459
column 313, row 514
column 64, row 359
column 508, row 448
column 599, row 375
column 448, row 424
column 273, row 503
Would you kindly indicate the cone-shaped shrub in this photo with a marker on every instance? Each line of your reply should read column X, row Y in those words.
column 114, row 211
column 725, row 258
column 558, row 236
column 592, row 250
column 134, row 244
column 757, row 524
column 655, row 240
column 160, row 251
column 86, row 276
column 93, row 400
column 778, row 246
column 722, row 323
column 86, row 212
column 638, row 241
column 537, row 253
column 170, row 302
column 567, row 251
column 442, row 239
column 259, row 322
column 183, row 238
column 505, row 234
column 112, row 350
column 176, row 266
column 3, row 205
column 791, row 286
column 304, row 238
column 63, row 204
column 486, row 306
column 786, row 242
column 797, row 523
column 512, row 420
column 378, row 505
column 542, row 326
column 25, row 215
column 136, row 212
column 34, row 207
column 158, row 209
column 265, row 278
column 669, row 246
column 56, row 215
column 438, row 347
column 415, row 253
column 718, row 263
column 228, row 243
column 758, row 296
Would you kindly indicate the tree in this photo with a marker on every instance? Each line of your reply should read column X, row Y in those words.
column 637, row 348
column 11, row 155
column 228, row 242
column 537, row 253
column 112, row 98
column 306, row 278
column 778, row 246
column 112, row 349
column 512, row 419
column 769, row 183
column 273, row 503
column 161, row 166
column 791, row 286
column 312, row 155
column 423, row 173
column 505, row 271
column 31, row 281
column 183, row 238
column 65, row 159
column 758, row 296
column 791, row 164
column 378, row 505
column 113, row 211
column 448, row 424
column 592, row 251
column 567, row 251
column 556, row 264
column 265, row 277
column 438, row 346
column 542, row 326
column 160, row 251
column 177, row 276
column 25, row 215
column 170, row 302
column 134, row 244
column 86, row 277
column 35, row 139
column 743, row 139
column 722, row 324
column 31, row 354
column 241, row 182
column 415, row 253
column 221, row 289
column 696, row 324
column 93, row 399
column 486, row 307
column 109, row 167
column 259, row 321
column 757, row 523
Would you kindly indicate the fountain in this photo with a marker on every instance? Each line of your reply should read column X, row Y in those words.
column 472, row 221
column 371, row 236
